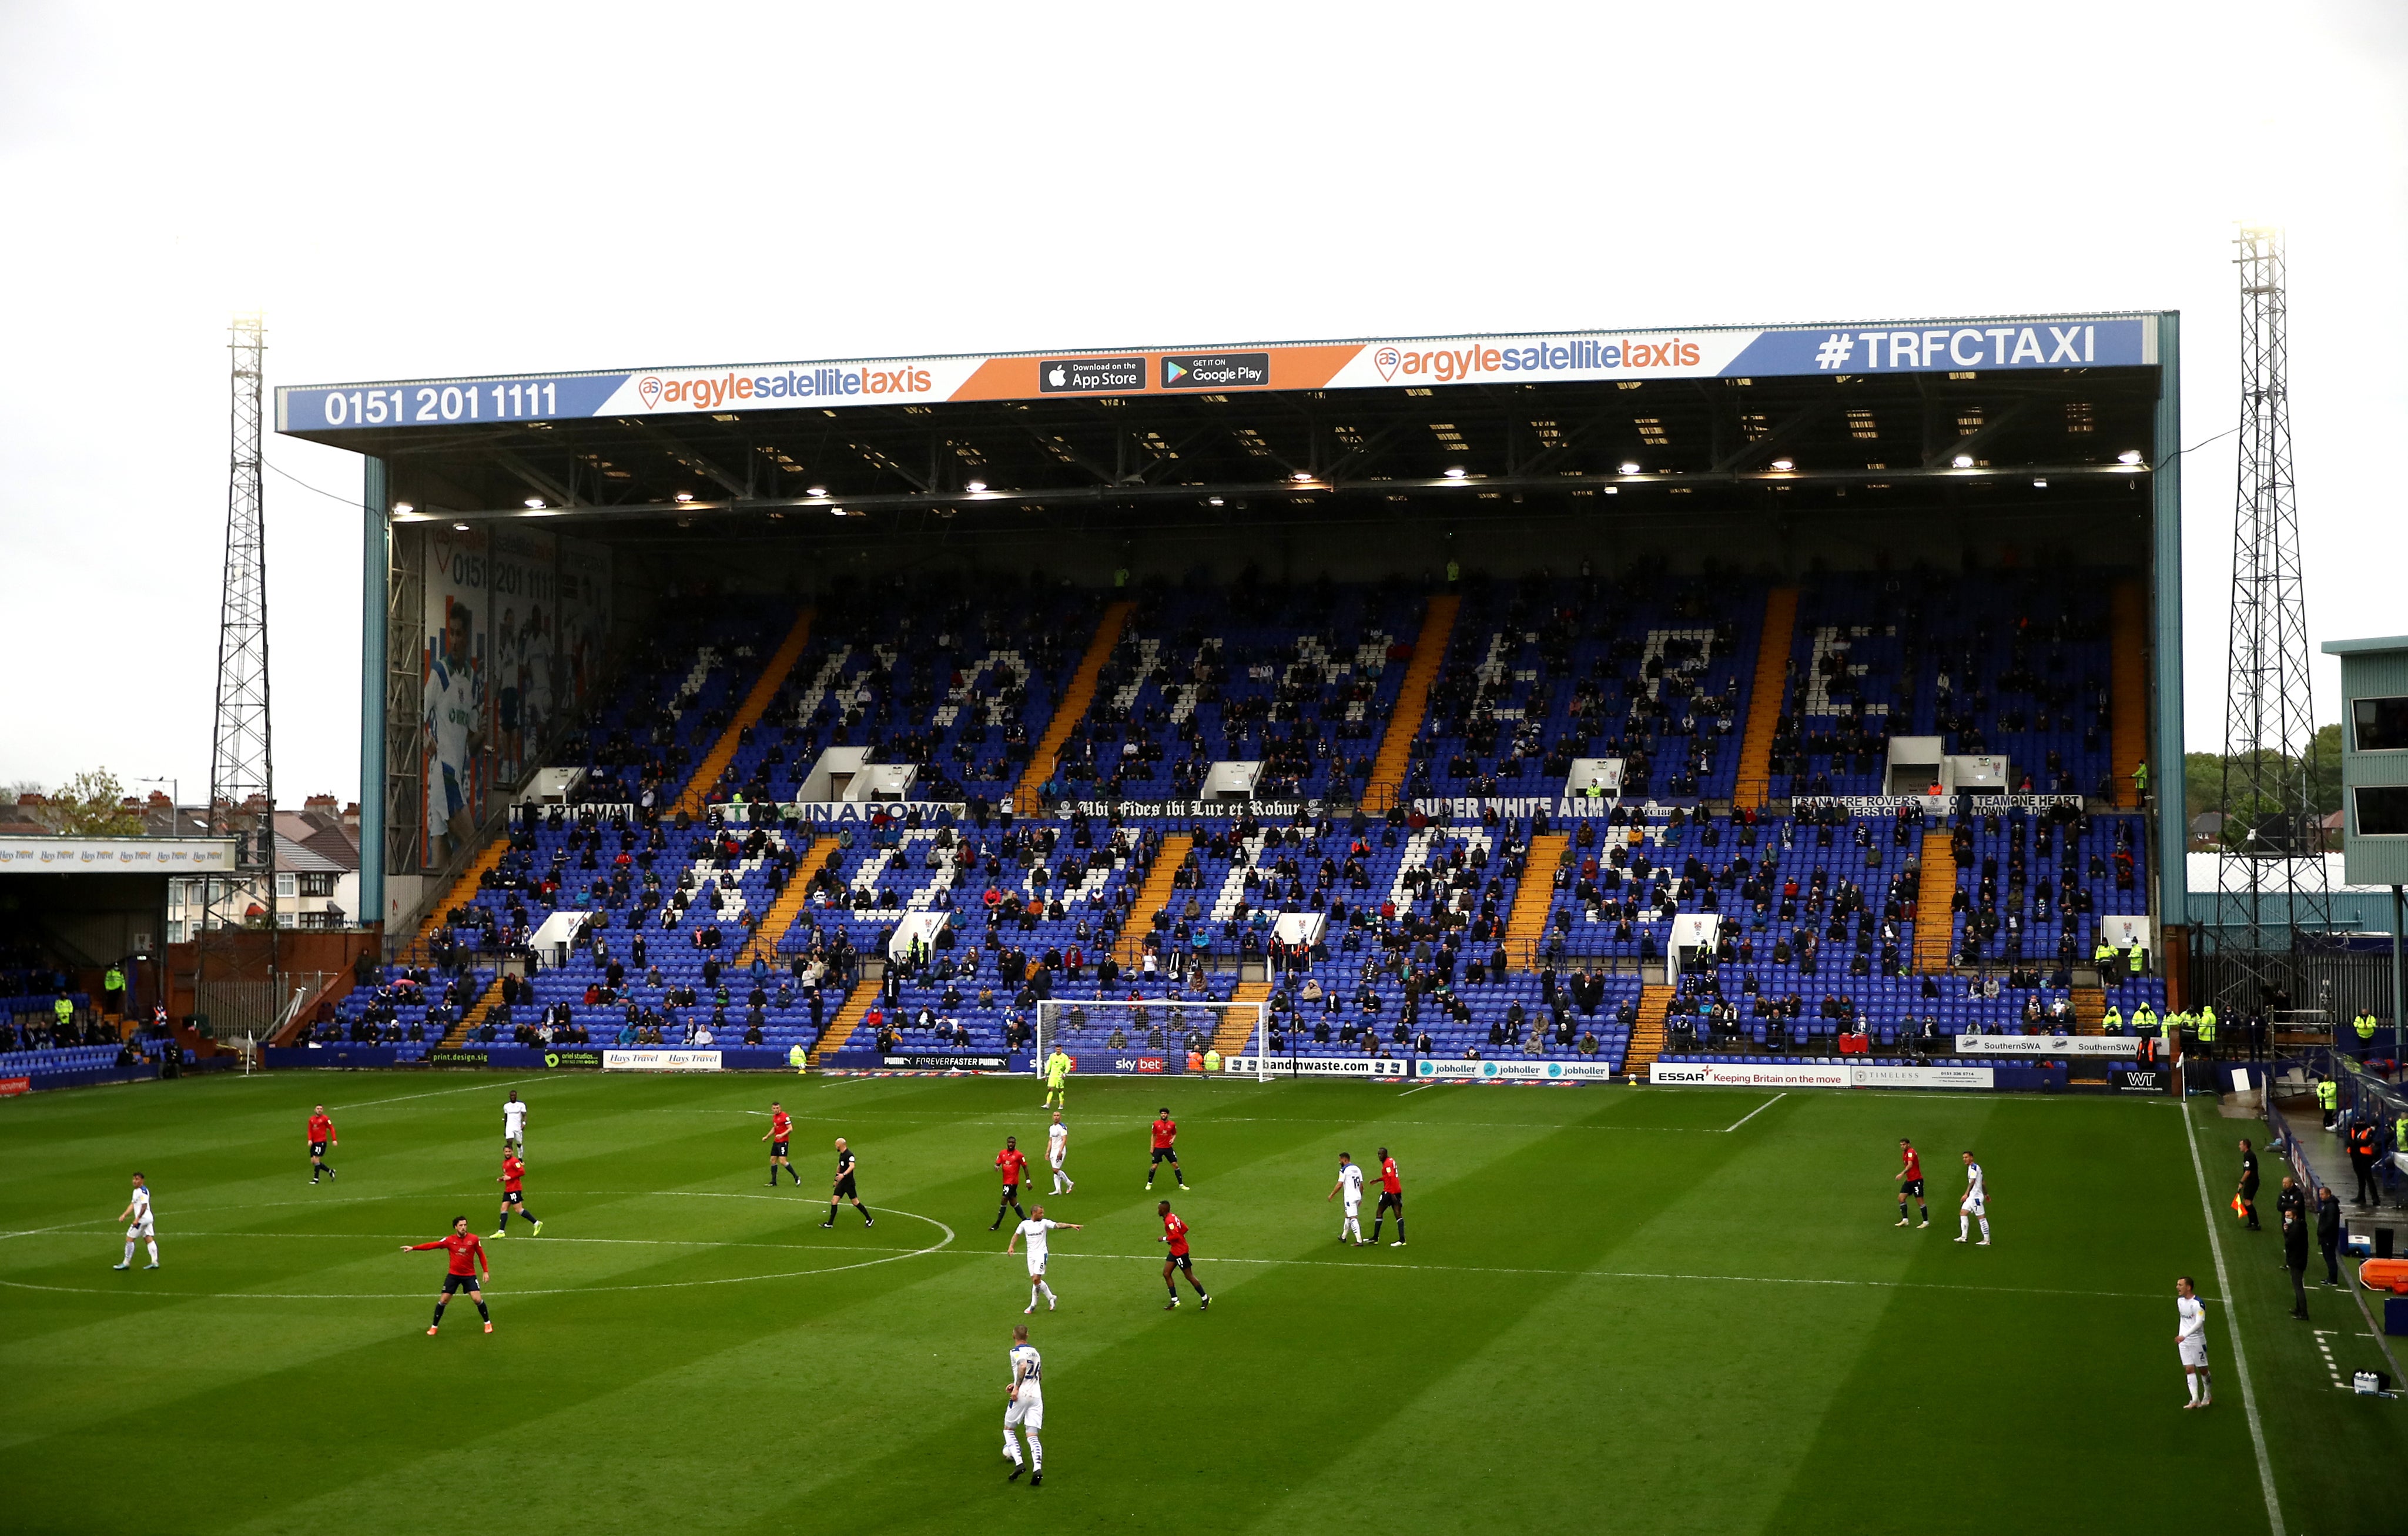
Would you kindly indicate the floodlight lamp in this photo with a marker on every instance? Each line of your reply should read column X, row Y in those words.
column 976, row 485
column 1627, row 467
column 1212, row 501
column 1784, row 465
column 1963, row 461
column 534, row 504
column 836, row 511
column 2040, row 483
column 1306, row 474
column 1455, row 472
column 459, row 527
column 816, row 491
column 2130, row 455
column 683, row 497
column 403, row 508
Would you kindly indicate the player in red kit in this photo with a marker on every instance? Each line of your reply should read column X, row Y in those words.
column 1909, row 1181
column 467, row 1261
column 1174, row 1232
column 1392, row 1198
column 781, row 1125
column 512, row 1178
column 1014, row 1164
column 1165, row 1137
column 321, row 1136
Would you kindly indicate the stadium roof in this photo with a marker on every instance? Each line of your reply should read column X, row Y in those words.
column 2022, row 402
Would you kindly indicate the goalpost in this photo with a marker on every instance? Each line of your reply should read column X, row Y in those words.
column 1153, row 1033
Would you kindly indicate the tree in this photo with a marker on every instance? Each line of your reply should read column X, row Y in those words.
column 92, row 805
column 2203, row 787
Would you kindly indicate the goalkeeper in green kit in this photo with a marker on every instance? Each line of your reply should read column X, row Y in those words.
column 1057, row 1071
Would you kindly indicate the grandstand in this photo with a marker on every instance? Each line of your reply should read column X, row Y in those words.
column 1734, row 713
column 1575, row 699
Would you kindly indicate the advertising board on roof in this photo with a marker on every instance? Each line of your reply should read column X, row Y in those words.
column 115, row 855
column 2010, row 343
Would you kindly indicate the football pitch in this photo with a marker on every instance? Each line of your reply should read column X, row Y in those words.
column 1634, row 1309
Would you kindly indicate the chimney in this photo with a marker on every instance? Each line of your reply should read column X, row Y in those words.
column 158, row 801
column 322, row 804
column 352, row 817
column 31, row 798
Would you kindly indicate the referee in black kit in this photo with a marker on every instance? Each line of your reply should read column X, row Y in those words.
column 843, row 1188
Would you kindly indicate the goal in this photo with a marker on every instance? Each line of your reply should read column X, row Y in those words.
column 1151, row 1035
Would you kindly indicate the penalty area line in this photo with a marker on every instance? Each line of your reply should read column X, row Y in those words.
column 1754, row 1113
column 1380, row 1267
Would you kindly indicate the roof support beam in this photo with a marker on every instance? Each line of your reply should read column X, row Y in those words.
column 675, row 447
column 1752, row 454
column 561, row 495
column 2071, row 474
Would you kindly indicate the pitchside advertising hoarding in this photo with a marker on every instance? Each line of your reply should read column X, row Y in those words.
column 1938, row 346
column 1808, row 1074
column 660, row 1061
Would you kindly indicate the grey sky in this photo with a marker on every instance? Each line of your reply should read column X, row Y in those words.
column 480, row 189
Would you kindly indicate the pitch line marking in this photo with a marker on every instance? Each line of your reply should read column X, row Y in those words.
column 1649, row 1274
column 635, row 1242
column 2240, row 1356
column 950, row 1237
column 1754, row 1113
column 892, row 1258
column 438, row 1093
column 1274, row 1120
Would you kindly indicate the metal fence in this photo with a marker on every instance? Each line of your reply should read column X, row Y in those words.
column 230, row 1010
column 2297, row 981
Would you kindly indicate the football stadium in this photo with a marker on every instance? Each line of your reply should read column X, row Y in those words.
column 1176, row 793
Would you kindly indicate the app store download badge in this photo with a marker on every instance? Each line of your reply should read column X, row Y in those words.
column 1216, row 370
column 1090, row 375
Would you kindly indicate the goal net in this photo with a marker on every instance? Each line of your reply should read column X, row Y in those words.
column 1153, row 1035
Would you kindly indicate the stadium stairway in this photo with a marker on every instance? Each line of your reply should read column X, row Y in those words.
column 1526, row 928
column 2089, row 1007
column 1072, row 709
column 1237, row 1031
column 756, row 703
column 1935, row 918
column 2128, row 688
column 1647, row 1035
column 474, row 1016
column 697, row 793
column 1412, row 702
column 1765, row 699
column 461, row 893
column 782, row 912
column 838, row 1034
column 1155, row 896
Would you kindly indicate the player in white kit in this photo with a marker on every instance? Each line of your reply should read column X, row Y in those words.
column 1350, row 1184
column 514, row 1121
column 1026, row 1407
column 1975, row 1206
column 1058, row 1150
column 137, row 1215
column 1035, row 1229
column 2190, row 1342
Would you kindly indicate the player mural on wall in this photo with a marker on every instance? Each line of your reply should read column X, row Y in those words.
column 453, row 680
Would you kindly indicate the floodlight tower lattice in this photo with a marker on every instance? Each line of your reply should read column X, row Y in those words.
column 242, row 784
column 2274, row 867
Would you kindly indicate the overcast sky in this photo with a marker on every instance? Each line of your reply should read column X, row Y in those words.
column 480, row 189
